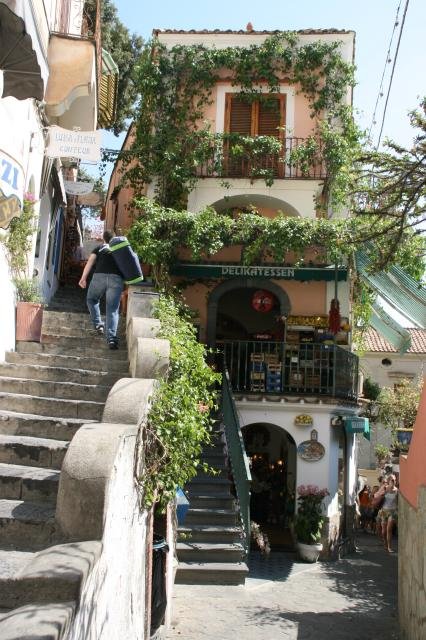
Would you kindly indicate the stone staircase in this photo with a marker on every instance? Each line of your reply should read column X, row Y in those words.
column 47, row 391
column 209, row 548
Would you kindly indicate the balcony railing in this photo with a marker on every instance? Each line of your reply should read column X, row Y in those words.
column 75, row 18
column 284, row 368
column 226, row 160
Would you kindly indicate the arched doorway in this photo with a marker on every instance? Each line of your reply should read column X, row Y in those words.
column 231, row 313
column 272, row 454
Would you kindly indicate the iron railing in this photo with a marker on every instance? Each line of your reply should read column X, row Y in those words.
column 76, row 17
column 280, row 367
column 237, row 456
column 219, row 160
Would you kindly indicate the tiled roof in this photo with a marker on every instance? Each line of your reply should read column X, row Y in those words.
column 242, row 31
column 374, row 342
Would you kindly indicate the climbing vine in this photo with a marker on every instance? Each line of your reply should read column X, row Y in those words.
column 179, row 421
column 172, row 138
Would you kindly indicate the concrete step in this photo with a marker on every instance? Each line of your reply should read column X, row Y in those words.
column 55, row 574
column 208, row 552
column 35, row 452
column 211, row 516
column 27, row 424
column 211, row 573
column 47, row 388
column 38, row 622
column 208, row 485
column 215, row 460
column 92, row 348
column 23, row 403
column 26, row 525
column 95, row 364
column 57, row 374
column 209, row 533
column 33, row 484
column 212, row 501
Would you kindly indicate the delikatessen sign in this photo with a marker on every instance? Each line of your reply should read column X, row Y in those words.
column 303, row 274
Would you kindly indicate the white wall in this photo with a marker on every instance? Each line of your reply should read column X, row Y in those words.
column 7, row 307
column 323, row 473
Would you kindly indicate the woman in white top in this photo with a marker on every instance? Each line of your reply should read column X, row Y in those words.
column 389, row 511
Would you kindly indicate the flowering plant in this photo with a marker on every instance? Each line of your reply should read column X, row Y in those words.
column 309, row 518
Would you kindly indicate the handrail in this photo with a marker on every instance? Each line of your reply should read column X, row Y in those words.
column 237, row 455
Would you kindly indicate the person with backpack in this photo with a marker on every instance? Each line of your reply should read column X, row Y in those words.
column 107, row 280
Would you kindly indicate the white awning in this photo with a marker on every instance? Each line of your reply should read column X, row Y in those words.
column 22, row 60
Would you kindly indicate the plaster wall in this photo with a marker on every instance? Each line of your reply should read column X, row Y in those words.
column 7, row 307
column 298, row 195
column 112, row 603
column 324, row 472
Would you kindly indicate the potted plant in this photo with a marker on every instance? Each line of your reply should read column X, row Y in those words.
column 19, row 243
column 29, row 310
column 309, row 520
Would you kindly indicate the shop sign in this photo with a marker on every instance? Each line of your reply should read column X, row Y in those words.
column 78, row 188
column 11, row 189
column 83, row 145
column 303, row 274
column 311, row 450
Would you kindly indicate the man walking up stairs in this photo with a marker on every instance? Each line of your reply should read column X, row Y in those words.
column 47, row 391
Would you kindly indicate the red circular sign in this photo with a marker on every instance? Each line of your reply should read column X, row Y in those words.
column 262, row 301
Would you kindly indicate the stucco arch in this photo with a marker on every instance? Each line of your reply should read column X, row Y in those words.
column 241, row 283
column 255, row 200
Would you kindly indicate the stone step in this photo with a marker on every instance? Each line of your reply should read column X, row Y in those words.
column 27, row 424
column 215, row 460
column 213, row 501
column 32, row 484
column 209, row 533
column 47, row 388
column 93, row 348
column 55, row 574
column 11, row 562
column 38, row 622
column 208, row 485
column 57, row 374
column 35, row 452
column 95, row 364
column 23, row 403
column 211, row 516
column 26, row 525
column 209, row 552
column 211, row 573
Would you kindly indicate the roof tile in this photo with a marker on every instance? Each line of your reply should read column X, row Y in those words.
column 374, row 342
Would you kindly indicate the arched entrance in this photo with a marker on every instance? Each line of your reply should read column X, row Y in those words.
column 231, row 313
column 272, row 453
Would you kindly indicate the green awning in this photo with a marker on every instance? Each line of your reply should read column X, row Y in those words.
column 394, row 333
column 356, row 424
column 399, row 290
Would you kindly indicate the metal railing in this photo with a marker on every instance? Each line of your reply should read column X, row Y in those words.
column 220, row 161
column 237, row 456
column 75, row 18
column 279, row 367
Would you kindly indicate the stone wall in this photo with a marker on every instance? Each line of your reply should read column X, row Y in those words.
column 412, row 567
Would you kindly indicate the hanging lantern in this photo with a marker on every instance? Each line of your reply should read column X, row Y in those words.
column 334, row 319
column 263, row 301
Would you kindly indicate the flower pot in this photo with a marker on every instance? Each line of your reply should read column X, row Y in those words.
column 309, row 552
column 29, row 317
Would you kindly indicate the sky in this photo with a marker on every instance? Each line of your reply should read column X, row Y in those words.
column 372, row 20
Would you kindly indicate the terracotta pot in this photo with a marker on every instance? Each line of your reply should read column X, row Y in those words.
column 309, row 552
column 29, row 316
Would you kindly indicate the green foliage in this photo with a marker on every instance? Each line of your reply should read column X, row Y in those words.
column 27, row 290
column 389, row 189
column 159, row 233
column 382, row 453
column 125, row 49
column 309, row 519
column 398, row 406
column 176, row 86
column 19, row 240
column 370, row 389
column 179, row 420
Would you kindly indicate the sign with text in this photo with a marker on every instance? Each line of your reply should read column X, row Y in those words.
column 78, row 188
column 11, row 189
column 216, row 270
column 82, row 145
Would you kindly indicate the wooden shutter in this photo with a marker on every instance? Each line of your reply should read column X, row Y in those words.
column 271, row 115
column 238, row 115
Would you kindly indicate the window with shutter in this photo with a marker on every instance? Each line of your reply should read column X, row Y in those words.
column 257, row 118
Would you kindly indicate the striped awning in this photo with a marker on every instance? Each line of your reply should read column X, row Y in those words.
column 108, row 91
